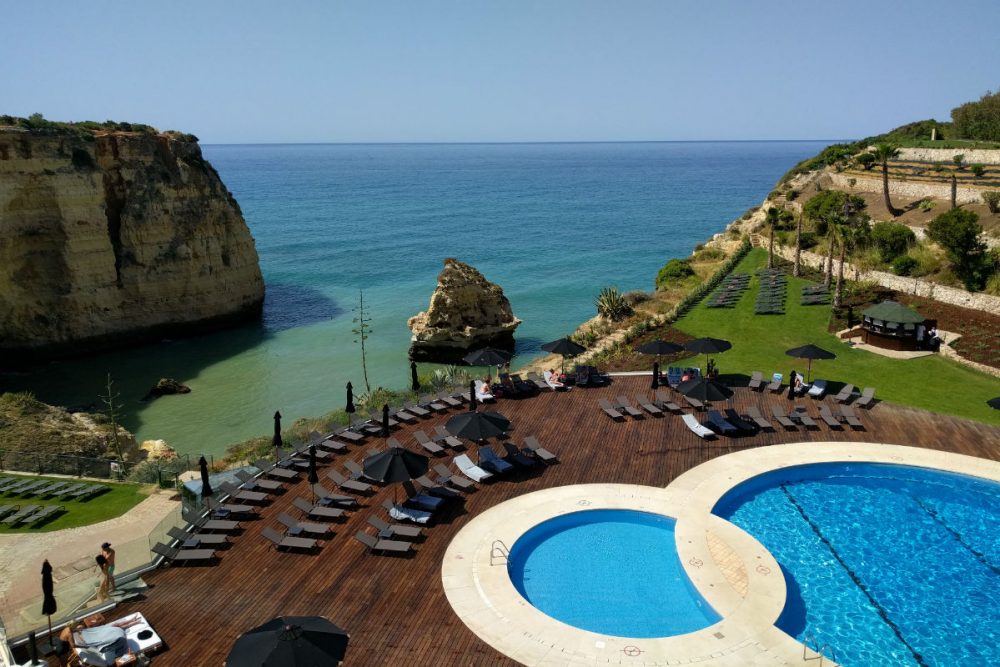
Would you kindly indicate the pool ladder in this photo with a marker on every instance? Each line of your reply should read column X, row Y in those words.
column 499, row 553
column 809, row 643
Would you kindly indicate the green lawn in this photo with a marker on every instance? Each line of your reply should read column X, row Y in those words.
column 108, row 505
column 759, row 343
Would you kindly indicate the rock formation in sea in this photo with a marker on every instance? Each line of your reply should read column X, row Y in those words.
column 109, row 236
column 166, row 387
column 466, row 312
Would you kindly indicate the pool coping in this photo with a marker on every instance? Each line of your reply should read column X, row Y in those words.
column 735, row 574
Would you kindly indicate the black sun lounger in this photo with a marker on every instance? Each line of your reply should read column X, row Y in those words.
column 718, row 423
column 827, row 416
column 251, row 483
column 610, row 411
column 183, row 556
column 194, row 540
column 759, row 419
column 388, row 530
column 286, row 542
column 317, row 511
column 348, row 484
column 383, row 546
column 782, row 417
column 739, row 421
column 534, row 448
column 646, row 405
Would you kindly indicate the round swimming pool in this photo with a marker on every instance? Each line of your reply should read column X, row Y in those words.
column 615, row 572
column 886, row 564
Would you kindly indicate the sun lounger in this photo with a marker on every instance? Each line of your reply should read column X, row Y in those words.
column 390, row 530
column 609, row 410
column 8, row 509
column 851, row 418
column 441, row 435
column 625, row 405
column 348, row 484
column 718, row 423
column 744, row 424
column 759, row 419
column 350, row 435
column 756, row 380
column 425, row 484
column 421, row 501
column 404, row 416
column 224, row 510
column 433, row 404
column 539, row 382
column 204, row 522
column 357, row 472
column 296, row 527
column 775, row 384
column 42, row 515
column 845, row 393
column 188, row 540
column 664, row 400
column 7, row 482
column 417, row 410
column 470, row 469
column 235, row 493
column 534, row 448
column 483, row 392
column 817, row 389
column 782, row 417
column 286, row 541
column 488, row 460
column 445, row 476
column 316, row 511
column 449, row 400
column 302, row 452
column 428, row 444
column 25, row 487
column 646, row 405
column 696, row 427
column 251, row 483
column 867, row 397
column 694, row 403
column 326, row 497
column 22, row 514
column 43, row 489
column 382, row 545
column 800, row 415
column 271, row 470
column 183, row 556
column 331, row 445
column 553, row 383
column 828, row 417
column 400, row 513
column 518, row 458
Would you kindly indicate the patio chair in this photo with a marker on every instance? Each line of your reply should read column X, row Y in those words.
column 271, row 470
column 251, row 482
column 518, row 458
column 183, row 556
column 828, row 418
column 204, row 522
column 845, row 393
column 388, row 530
column 775, row 384
column 327, row 497
column 296, row 527
column 867, row 397
column 488, row 460
column 400, row 513
column 188, row 540
column 630, row 410
column 609, row 410
column 348, row 484
column 317, row 511
column 697, row 427
column 421, row 501
column 286, row 541
column 759, row 419
column 235, row 493
column 441, row 435
column 667, row 403
column 534, row 448
column 382, row 545
column 817, row 389
column 445, row 476
column 756, row 380
column 470, row 469
column 646, row 405
column 428, row 444
column 782, row 417
column 847, row 412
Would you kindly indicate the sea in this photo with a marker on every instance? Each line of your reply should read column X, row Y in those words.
column 551, row 223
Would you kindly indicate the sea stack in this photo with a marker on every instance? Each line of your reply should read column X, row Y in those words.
column 466, row 312
column 116, row 236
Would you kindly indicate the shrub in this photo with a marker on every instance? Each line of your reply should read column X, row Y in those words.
column 793, row 194
column 938, row 167
column 977, row 170
column 808, row 240
column 978, row 120
column 959, row 160
column 866, row 160
column 891, row 239
column 708, row 255
column 851, row 182
column 903, row 265
column 673, row 271
column 611, row 304
column 81, row 159
column 993, row 285
column 928, row 262
column 992, row 200
column 635, row 297
column 957, row 231
column 926, row 204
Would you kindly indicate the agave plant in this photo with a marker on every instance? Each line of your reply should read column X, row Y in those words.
column 612, row 304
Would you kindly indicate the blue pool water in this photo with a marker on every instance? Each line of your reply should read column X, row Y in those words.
column 887, row 564
column 610, row 571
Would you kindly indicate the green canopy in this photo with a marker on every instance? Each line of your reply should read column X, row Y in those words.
column 890, row 311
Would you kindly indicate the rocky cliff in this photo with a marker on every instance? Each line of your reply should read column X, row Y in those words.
column 466, row 312
column 112, row 236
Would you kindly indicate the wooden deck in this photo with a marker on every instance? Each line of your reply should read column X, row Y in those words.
column 394, row 608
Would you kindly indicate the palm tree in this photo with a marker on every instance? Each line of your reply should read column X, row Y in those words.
column 833, row 220
column 845, row 232
column 773, row 216
column 954, row 191
column 883, row 153
column 796, row 270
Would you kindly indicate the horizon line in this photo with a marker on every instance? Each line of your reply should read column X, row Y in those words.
column 503, row 143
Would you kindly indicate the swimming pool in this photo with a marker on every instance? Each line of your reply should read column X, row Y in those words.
column 887, row 564
column 610, row 571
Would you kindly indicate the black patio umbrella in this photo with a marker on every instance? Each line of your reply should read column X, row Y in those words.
column 276, row 439
column 810, row 352
column 289, row 641
column 488, row 356
column 994, row 403
column 385, row 421
column 350, row 409
column 565, row 348
column 49, row 605
column 414, row 382
column 707, row 345
column 656, row 375
column 313, row 475
column 705, row 390
column 659, row 347
column 395, row 465
column 206, row 485
column 478, row 425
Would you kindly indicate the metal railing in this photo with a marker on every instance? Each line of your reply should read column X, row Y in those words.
column 499, row 553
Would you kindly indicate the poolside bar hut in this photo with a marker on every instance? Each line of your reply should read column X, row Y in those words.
column 892, row 326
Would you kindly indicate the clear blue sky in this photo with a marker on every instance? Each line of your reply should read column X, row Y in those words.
column 506, row 70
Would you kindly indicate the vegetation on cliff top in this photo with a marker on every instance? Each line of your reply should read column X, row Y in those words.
column 86, row 129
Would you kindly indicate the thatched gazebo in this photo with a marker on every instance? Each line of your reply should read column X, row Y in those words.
column 892, row 326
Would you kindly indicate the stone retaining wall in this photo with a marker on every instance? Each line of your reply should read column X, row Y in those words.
column 911, row 190
column 972, row 155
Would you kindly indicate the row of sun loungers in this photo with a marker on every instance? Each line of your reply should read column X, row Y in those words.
column 729, row 291
column 772, row 293
column 15, row 515
column 815, row 295
column 44, row 488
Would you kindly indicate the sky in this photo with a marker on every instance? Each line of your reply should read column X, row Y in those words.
column 250, row 71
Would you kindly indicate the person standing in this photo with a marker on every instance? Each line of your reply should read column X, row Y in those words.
column 109, row 555
column 102, row 581
column 791, row 384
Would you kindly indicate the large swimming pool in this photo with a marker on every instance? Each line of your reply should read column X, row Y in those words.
column 610, row 571
column 886, row 564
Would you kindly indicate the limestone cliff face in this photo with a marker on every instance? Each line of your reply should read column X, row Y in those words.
column 466, row 312
column 113, row 237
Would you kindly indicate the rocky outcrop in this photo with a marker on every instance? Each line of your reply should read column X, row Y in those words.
column 466, row 312
column 166, row 387
column 115, row 236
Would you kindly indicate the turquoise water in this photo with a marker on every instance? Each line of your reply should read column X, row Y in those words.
column 610, row 571
column 889, row 565
column 551, row 223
